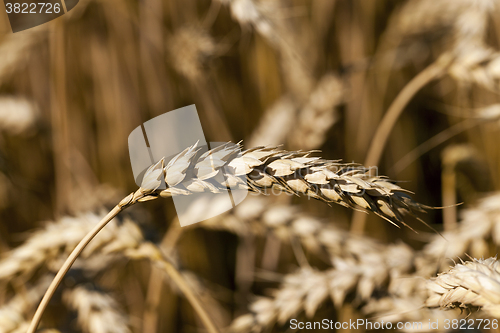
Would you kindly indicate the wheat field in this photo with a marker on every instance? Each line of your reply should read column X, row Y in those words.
column 366, row 133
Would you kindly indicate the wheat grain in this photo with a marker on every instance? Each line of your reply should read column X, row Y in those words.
column 306, row 129
column 97, row 312
column 426, row 16
column 260, row 168
column 480, row 65
column 469, row 285
column 255, row 169
column 249, row 13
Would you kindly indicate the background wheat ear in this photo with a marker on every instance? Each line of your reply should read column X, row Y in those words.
column 97, row 311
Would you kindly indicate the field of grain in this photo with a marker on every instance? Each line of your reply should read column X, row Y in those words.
column 359, row 120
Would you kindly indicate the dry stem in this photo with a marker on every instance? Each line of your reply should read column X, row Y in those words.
column 138, row 196
column 433, row 71
column 67, row 265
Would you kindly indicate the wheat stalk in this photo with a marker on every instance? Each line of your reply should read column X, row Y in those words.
column 45, row 247
column 14, row 50
column 255, row 169
column 152, row 253
column 97, row 312
column 469, row 285
column 380, row 139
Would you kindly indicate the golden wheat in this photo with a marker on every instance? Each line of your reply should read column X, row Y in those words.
column 260, row 168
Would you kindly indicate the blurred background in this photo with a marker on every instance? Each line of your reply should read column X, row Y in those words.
column 310, row 75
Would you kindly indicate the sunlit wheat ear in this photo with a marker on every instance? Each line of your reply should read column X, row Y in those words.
column 418, row 17
column 261, row 168
column 256, row 170
column 97, row 312
column 468, row 285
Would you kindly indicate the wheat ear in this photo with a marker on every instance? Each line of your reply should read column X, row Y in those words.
column 45, row 247
column 472, row 284
column 256, row 170
column 306, row 289
column 262, row 168
column 97, row 312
